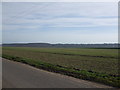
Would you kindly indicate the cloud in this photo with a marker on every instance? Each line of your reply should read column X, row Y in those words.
column 29, row 24
column 36, row 21
column 59, row 14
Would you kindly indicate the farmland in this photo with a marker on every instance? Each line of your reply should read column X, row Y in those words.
column 103, row 61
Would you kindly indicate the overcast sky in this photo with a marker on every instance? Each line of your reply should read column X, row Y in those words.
column 61, row 22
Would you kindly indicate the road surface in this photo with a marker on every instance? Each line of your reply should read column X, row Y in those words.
column 18, row 75
column 0, row 73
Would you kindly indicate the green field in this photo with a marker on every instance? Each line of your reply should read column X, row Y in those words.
column 103, row 61
column 100, row 60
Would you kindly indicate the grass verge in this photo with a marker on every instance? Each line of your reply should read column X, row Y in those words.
column 112, row 80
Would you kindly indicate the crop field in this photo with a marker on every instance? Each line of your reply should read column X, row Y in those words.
column 99, row 60
column 103, row 61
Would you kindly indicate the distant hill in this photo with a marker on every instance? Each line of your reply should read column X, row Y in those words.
column 61, row 45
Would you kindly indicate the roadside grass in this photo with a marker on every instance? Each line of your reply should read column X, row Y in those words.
column 112, row 80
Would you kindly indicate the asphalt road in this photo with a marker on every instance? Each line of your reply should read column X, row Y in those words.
column 0, row 73
column 18, row 75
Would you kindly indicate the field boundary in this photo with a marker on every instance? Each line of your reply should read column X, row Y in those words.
column 81, row 55
column 111, row 80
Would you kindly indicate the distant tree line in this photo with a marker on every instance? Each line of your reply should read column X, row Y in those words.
column 105, row 45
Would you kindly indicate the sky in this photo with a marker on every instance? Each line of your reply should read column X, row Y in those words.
column 0, row 23
column 60, row 22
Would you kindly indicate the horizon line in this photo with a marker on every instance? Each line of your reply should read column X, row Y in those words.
column 59, row 43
